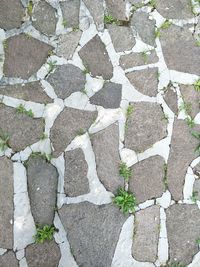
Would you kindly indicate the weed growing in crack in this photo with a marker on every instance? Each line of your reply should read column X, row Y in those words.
column 81, row 131
column 30, row 8
column 165, row 176
column 44, row 136
column 152, row 3
column 166, row 24
column 198, row 241
column 194, row 196
column 52, row 65
column 125, row 171
column 44, row 233
column 86, row 70
column 174, row 265
column 190, row 122
column 64, row 23
column 125, row 201
column 108, row 19
column 186, row 107
column 197, row 136
column 197, row 86
column 4, row 139
column 21, row 110
column 129, row 111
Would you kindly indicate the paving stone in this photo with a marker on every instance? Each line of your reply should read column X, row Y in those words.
column 96, row 59
column 145, row 126
column 24, row 56
column 67, row 126
column 40, row 255
column 8, row 260
column 42, row 188
column 6, row 207
column 97, row 11
column 176, row 39
column 93, row 232
column 196, row 188
column 11, row 14
column 122, row 37
column 183, row 229
column 182, row 152
column 117, row 9
column 106, row 148
column 146, row 186
column 171, row 100
column 145, row 81
column 44, row 19
column 109, row 96
column 67, row 79
column 146, row 234
column 70, row 11
column 21, row 129
column 76, row 168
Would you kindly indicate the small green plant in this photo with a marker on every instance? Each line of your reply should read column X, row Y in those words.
column 125, row 171
column 108, row 19
column 165, row 176
column 186, row 107
column 81, row 131
column 44, row 136
column 194, row 196
column 64, row 23
column 52, row 65
column 44, row 156
column 44, row 233
column 129, row 111
column 197, row 86
column 75, row 29
column 136, row 6
column 166, row 24
column 5, row 44
column 86, row 70
column 157, row 33
column 198, row 43
column 190, row 122
column 21, row 110
column 152, row 3
column 125, row 201
column 4, row 139
column 197, row 136
column 174, row 265
column 28, row 35
column 198, row 241
column 144, row 56
column 30, row 8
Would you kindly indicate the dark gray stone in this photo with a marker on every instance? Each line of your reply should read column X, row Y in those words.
column 97, row 11
column 70, row 11
column 117, row 9
column 8, row 260
column 93, row 232
column 171, row 99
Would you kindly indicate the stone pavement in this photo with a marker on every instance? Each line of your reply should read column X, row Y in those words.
column 98, row 95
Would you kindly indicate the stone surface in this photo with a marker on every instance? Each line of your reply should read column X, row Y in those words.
column 145, row 126
column 117, row 9
column 91, row 234
column 183, row 229
column 143, row 185
column 95, row 58
column 8, row 260
column 40, row 255
column 70, row 12
column 6, row 203
column 145, row 81
column 76, row 182
column 67, row 125
column 24, row 56
column 171, row 99
column 145, row 239
column 67, row 79
column 97, row 11
column 106, row 148
column 109, row 96
column 42, row 188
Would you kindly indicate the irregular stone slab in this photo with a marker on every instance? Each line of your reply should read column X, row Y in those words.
column 76, row 168
column 145, row 81
column 117, row 9
column 97, row 11
column 44, row 19
column 67, row 125
column 11, row 14
column 146, row 234
column 8, row 260
column 182, row 152
column 145, row 126
column 109, row 96
column 70, row 11
column 106, row 148
column 42, row 188
column 196, row 188
column 24, row 56
column 67, row 79
column 40, row 255
column 171, row 99
column 122, row 37
column 96, row 59
column 21, row 129
column 93, row 232
column 146, row 186
column 32, row 91
column 176, row 39
column 6, row 203
column 183, row 229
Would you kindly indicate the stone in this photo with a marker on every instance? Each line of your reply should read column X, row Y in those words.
column 21, row 129
column 196, row 188
column 145, row 81
column 11, row 14
column 176, row 39
column 171, row 100
column 109, row 96
column 143, row 185
column 44, row 19
column 67, row 79
column 93, row 232
column 6, row 203
column 183, row 229
column 117, row 9
column 96, row 59
column 97, row 11
column 67, row 125
column 122, row 37
column 70, row 11
column 24, row 56
column 8, row 260
column 106, row 149
column 145, row 126
column 42, row 188
column 40, row 255
column 146, row 234
column 76, row 168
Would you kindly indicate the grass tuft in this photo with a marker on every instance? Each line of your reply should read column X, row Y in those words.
column 125, row 201
column 44, row 233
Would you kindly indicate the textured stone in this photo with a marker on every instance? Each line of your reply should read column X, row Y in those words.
column 96, row 59
column 106, row 149
column 8, row 260
column 6, row 203
column 97, row 11
column 109, row 96
column 143, row 185
column 171, row 99
column 93, row 232
column 70, row 11
column 145, row 126
column 117, row 9
column 41, row 255
column 76, row 182
column 42, row 189
column 183, row 229
column 145, row 239
column 24, row 56
column 67, row 125
column 145, row 81
column 67, row 79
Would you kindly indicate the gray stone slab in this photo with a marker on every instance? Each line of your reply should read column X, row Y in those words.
column 70, row 12
column 8, row 260
column 171, row 100
column 97, row 11
column 117, row 9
